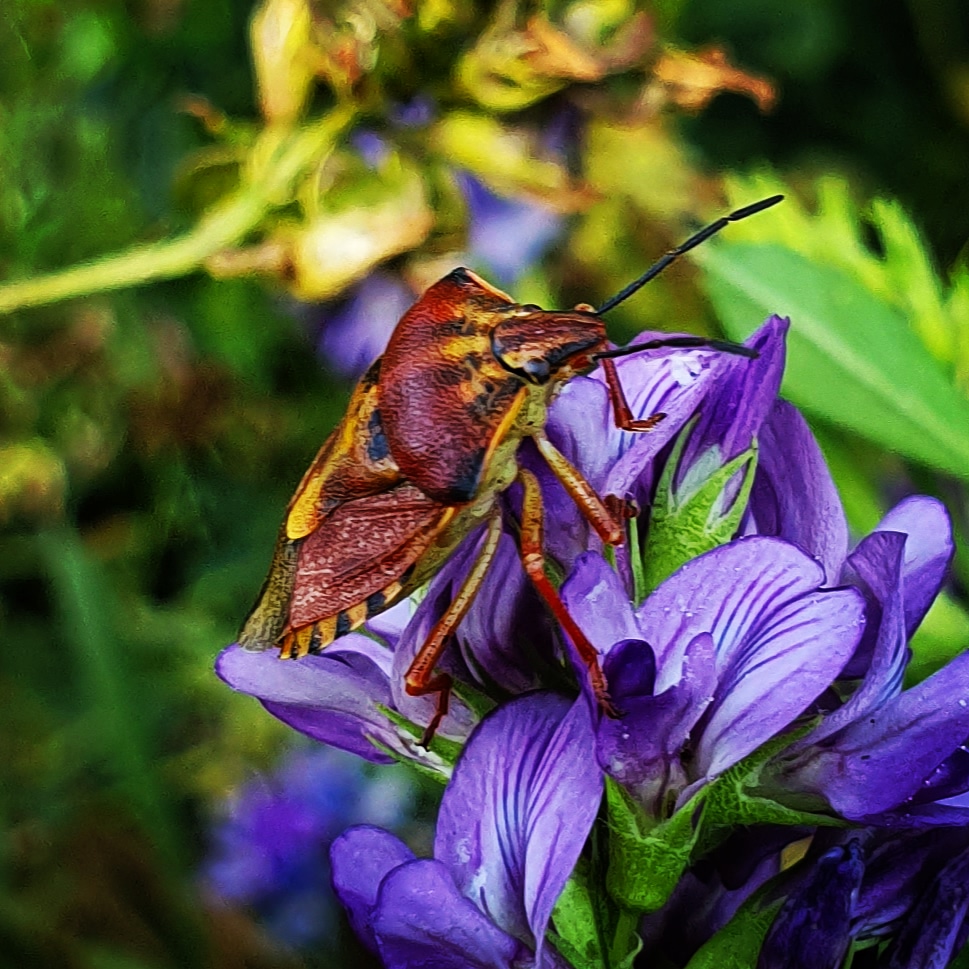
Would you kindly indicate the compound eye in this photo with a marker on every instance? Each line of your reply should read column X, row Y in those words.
column 537, row 370
column 531, row 308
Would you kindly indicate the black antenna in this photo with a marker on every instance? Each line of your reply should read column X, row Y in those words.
column 674, row 254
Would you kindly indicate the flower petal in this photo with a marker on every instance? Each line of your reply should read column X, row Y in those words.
column 794, row 496
column 595, row 598
column 422, row 920
column 811, row 930
column 876, row 763
column 877, row 563
column 670, row 382
column 361, row 858
column 735, row 409
column 332, row 698
column 928, row 551
column 779, row 641
column 518, row 810
column 641, row 749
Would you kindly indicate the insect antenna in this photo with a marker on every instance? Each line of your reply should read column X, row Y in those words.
column 712, row 229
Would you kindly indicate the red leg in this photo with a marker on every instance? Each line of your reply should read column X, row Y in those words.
column 596, row 511
column 533, row 558
column 420, row 678
column 620, row 406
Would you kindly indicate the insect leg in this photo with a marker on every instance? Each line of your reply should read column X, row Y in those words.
column 620, row 406
column 533, row 558
column 582, row 493
column 420, row 678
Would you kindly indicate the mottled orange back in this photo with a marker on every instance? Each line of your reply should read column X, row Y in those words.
column 443, row 394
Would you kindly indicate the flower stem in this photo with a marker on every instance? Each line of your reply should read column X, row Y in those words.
column 288, row 157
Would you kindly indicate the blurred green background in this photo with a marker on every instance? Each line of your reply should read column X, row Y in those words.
column 153, row 425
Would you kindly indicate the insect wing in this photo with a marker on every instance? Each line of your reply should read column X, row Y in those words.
column 360, row 560
column 354, row 462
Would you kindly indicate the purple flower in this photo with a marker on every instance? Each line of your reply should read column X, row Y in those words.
column 269, row 851
column 907, row 892
column 342, row 697
column 506, row 236
column 811, row 929
column 512, row 824
column 728, row 652
column 887, row 755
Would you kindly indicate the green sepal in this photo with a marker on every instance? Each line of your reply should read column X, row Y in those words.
column 737, row 945
column 680, row 530
column 588, row 929
column 646, row 857
column 441, row 747
column 732, row 801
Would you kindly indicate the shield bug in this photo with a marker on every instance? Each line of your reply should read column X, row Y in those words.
column 427, row 446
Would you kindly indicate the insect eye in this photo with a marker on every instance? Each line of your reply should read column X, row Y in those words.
column 536, row 370
column 531, row 308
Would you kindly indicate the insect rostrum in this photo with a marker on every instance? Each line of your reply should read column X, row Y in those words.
column 426, row 448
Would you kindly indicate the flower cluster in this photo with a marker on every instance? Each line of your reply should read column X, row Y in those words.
column 770, row 789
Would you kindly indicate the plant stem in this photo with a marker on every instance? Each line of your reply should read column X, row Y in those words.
column 290, row 157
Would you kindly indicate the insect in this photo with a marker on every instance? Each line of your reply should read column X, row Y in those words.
column 427, row 446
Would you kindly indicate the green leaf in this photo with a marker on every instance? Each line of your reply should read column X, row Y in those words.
column 737, row 944
column 646, row 858
column 852, row 358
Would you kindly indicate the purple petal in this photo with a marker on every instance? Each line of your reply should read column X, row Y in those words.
column 440, row 594
column 332, row 698
column 934, row 931
column 779, row 641
column 877, row 562
column 518, row 810
column 928, row 551
column 641, row 749
column 794, row 496
column 506, row 637
column 811, row 929
column 595, row 598
column 876, row 763
column 732, row 414
column 361, row 858
column 579, row 425
column 671, row 382
column 423, row 921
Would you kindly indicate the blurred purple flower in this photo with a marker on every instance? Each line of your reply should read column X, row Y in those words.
column 506, row 236
column 269, row 850
column 512, row 824
column 357, row 331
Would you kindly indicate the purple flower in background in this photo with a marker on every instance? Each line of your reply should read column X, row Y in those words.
column 506, row 235
column 356, row 332
column 269, row 850
column 512, row 824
